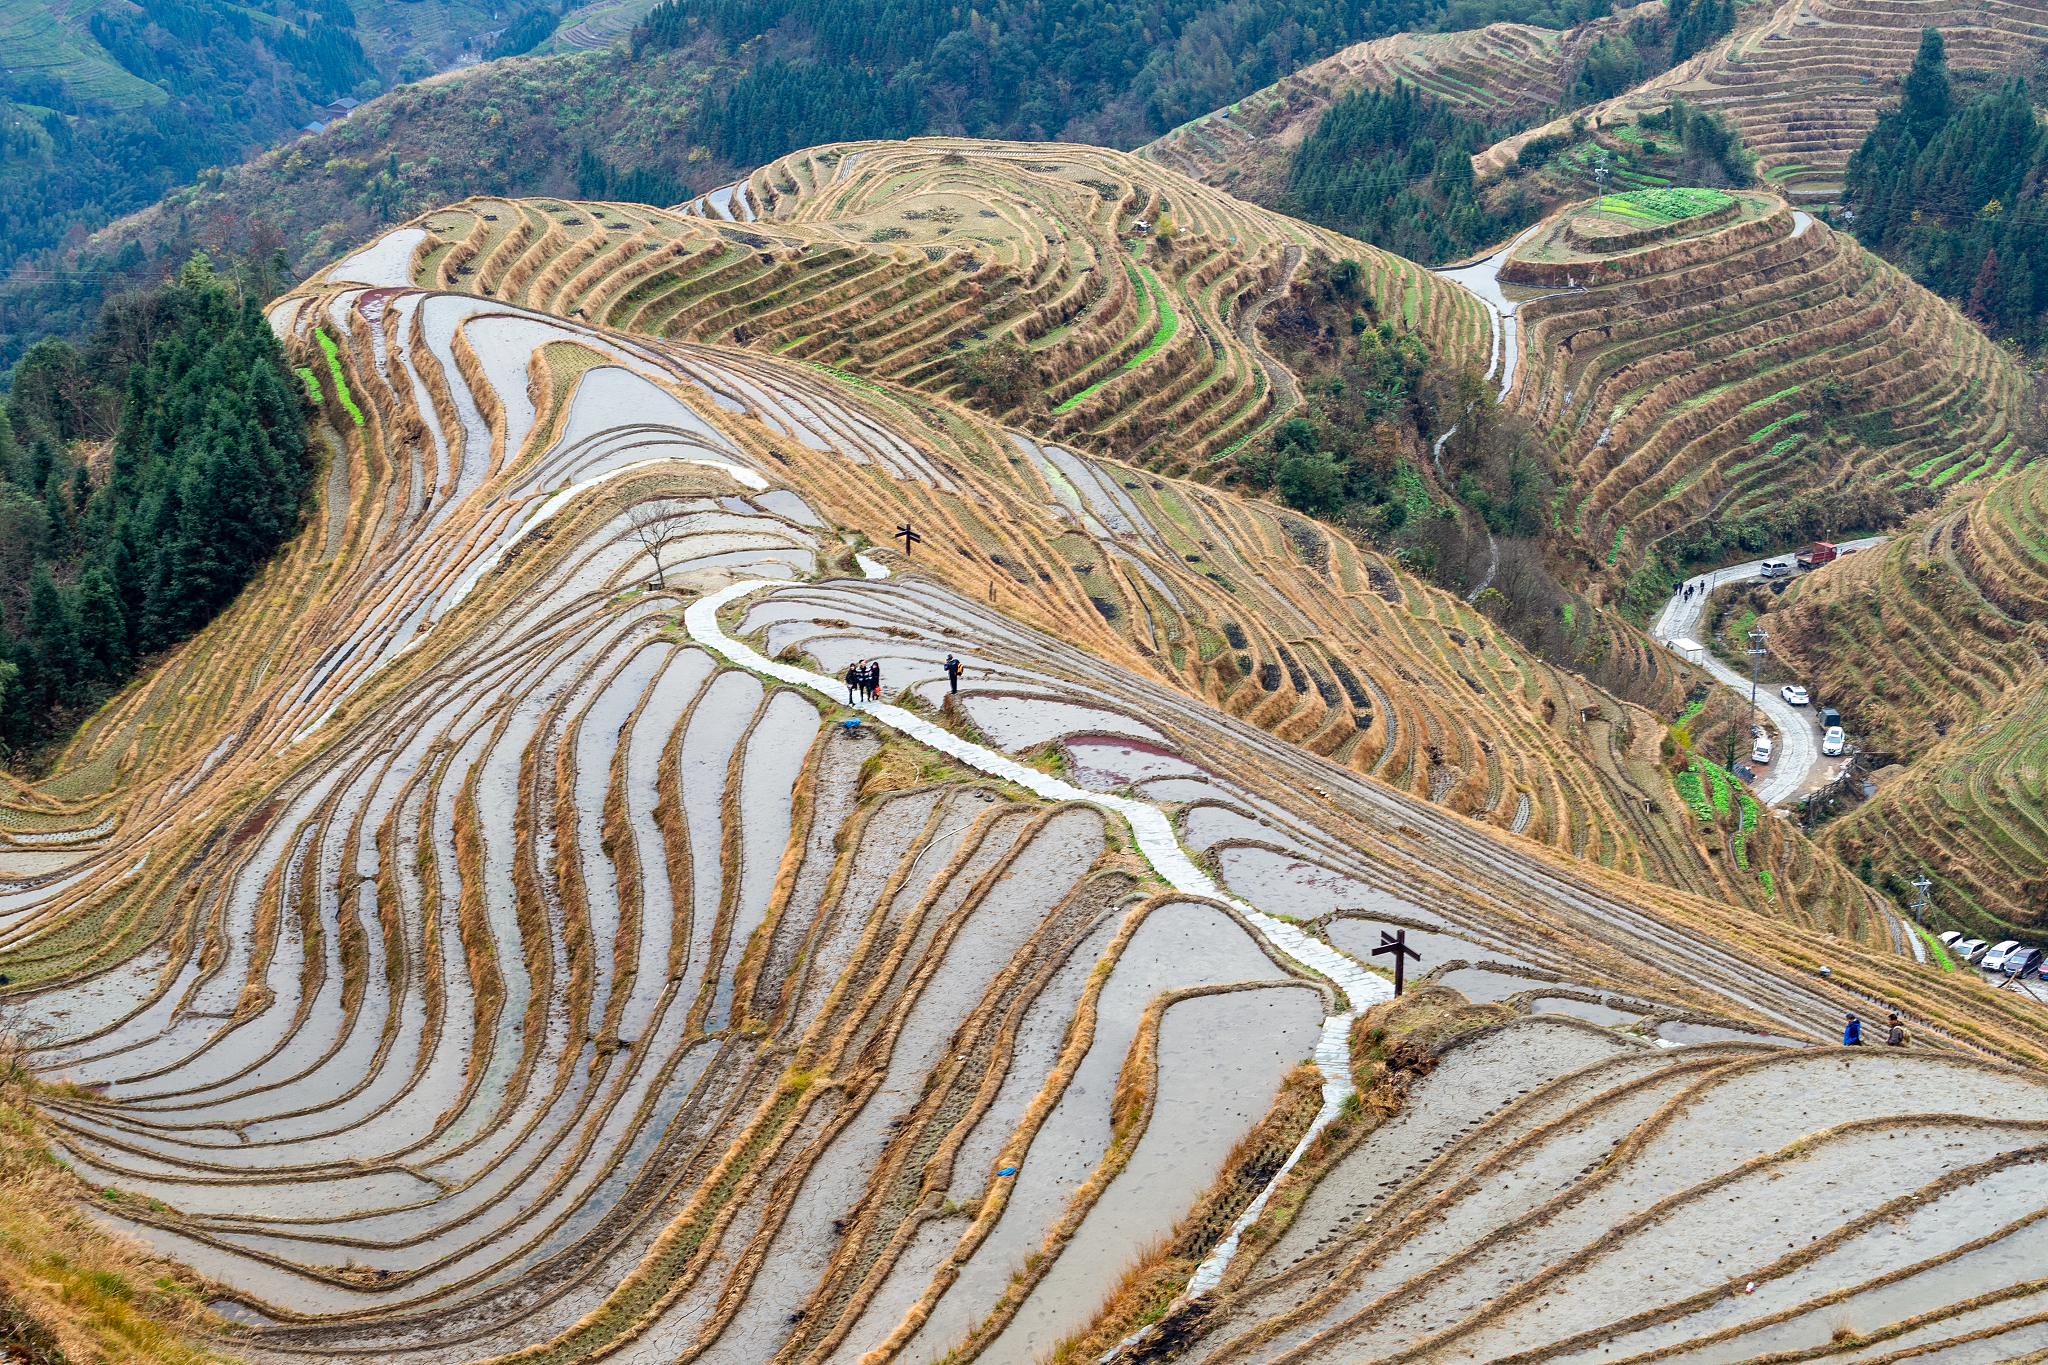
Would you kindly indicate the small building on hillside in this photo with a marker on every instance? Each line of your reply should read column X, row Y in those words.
column 343, row 107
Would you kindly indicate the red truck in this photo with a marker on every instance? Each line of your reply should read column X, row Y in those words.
column 1814, row 555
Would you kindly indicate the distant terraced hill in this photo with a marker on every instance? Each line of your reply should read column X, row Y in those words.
column 500, row 934
column 1804, row 85
column 1494, row 74
column 1751, row 384
column 1802, row 82
column 1936, row 652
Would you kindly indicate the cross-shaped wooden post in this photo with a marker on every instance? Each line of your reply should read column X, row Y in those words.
column 1397, row 944
column 907, row 536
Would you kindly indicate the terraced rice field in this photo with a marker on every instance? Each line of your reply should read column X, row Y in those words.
column 1565, row 1197
column 1680, row 382
column 1493, row 74
column 490, row 939
column 1935, row 648
column 915, row 264
column 1804, row 85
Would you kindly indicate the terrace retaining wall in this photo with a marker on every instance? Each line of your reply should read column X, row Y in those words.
column 1643, row 236
column 1655, row 260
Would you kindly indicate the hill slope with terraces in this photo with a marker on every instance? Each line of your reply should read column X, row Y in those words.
column 1500, row 73
column 1804, row 82
column 502, row 934
column 897, row 313
column 916, row 265
column 1747, row 385
column 1935, row 648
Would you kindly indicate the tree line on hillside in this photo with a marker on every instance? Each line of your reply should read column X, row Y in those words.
column 1075, row 70
column 234, row 77
column 1953, row 194
column 1358, row 455
column 1394, row 168
column 144, row 478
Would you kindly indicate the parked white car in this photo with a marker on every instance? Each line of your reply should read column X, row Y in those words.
column 1947, row 938
column 1831, row 743
column 1794, row 693
column 1969, row 950
column 1995, row 959
column 1761, row 751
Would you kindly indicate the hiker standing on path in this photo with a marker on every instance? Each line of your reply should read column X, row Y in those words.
column 953, row 672
column 1852, row 1032
column 1897, row 1036
column 853, row 682
column 874, row 680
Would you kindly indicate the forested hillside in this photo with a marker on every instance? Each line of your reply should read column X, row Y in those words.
column 144, row 477
column 1395, row 169
column 704, row 90
column 1951, row 191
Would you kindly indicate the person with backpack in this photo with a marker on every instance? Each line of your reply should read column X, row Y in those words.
column 1897, row 1036
column 953, row 672
column 1852, row 1032
column 874, row 680
column 853, row 682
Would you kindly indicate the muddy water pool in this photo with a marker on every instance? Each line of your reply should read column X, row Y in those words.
column 1177, row 945
column 1437, row 945
column 892, row 830
column 1013, row 723
column 1102, row 765
column 1751, row 1221
column 1281, row 884
column 1468, row 1085
column 1931, row 1230
column 1221, row 1058
column 1592, row 1013
column 776, row 750
column 714, row 729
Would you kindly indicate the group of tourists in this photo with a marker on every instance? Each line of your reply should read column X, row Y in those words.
column 1895, row 1032
column 864, row 681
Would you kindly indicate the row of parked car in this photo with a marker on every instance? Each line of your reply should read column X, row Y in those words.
column 2010, row 958
column 1832, row 739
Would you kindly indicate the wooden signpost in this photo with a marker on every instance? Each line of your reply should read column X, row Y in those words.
column 1397, row 944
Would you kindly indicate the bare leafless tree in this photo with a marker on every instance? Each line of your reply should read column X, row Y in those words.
column 653, row 524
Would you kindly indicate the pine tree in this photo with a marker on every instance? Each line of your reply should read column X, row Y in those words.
column 103, row 626
column 53, row 634
column 1985, row 295
column 1925, row 103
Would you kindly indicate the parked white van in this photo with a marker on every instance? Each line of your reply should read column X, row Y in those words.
column 1761, row 753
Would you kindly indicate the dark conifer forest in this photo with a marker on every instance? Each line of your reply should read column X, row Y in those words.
column 1952, row 192
column 1394, row 168
column 107, row 560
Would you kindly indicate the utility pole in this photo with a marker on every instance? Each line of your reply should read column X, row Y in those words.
column 1757, row 638
column 1919, row 907
column 1600, row 178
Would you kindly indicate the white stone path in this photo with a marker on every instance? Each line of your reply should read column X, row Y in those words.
column 1154, row 835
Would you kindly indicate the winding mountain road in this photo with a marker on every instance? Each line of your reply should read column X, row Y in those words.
column 1798, row 732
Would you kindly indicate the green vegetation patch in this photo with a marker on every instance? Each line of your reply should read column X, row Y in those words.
column 1667, row 205
column 1936, row 954
column 1169, row 323
column 312, row 384
column 1795, row 417
column 1783, row 393
column 333, row 354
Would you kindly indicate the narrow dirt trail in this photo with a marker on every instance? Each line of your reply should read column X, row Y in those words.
column 1286, row 393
